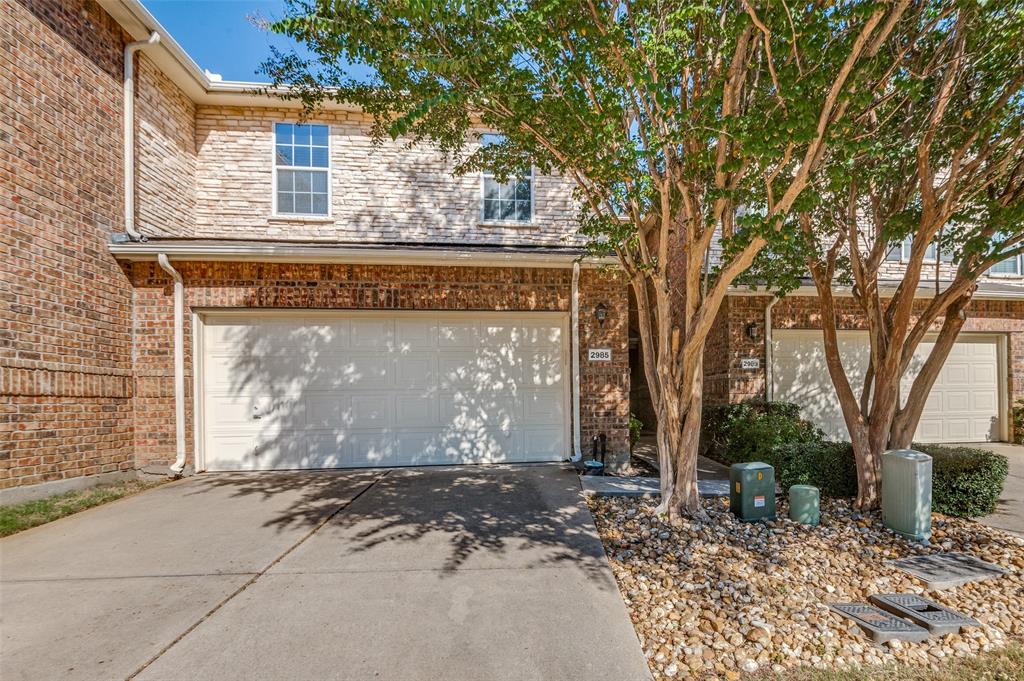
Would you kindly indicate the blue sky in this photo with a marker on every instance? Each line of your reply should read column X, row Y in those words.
column 218, row 35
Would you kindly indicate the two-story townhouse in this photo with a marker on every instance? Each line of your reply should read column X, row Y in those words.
column 225, row 285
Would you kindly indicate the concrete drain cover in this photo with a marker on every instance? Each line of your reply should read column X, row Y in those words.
column 880, row 625
column 937, row 619
column 946, row 570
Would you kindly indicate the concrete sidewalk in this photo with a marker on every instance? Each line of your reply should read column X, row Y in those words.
column 1009, row 513
column 467, row 573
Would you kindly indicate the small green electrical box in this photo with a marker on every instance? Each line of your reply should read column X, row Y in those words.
column 752, row 491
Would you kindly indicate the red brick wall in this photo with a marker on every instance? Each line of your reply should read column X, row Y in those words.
column 804, row 312
column 605, row 386
column 65, row 305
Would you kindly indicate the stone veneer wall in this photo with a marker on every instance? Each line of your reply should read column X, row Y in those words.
column 804, row 312
column 387, row 193
column 604, row 387
column 165, row 174
column 65, row 305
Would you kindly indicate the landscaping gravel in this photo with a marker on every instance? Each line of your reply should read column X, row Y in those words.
column 726, row 598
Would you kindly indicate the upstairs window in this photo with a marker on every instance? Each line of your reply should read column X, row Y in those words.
column 1011, row 267
column 901, row 252
column 301, row 169
column 507, row 202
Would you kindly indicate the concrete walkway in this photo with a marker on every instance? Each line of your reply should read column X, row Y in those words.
column 453, row 573
column 1009, row 514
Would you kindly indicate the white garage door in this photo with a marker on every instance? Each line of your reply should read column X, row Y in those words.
column 338, row 390
column 963, row 406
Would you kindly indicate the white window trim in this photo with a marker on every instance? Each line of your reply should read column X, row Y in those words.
column 1010, row 275
column 274, row 168
column 509, row 223
column 905, row 257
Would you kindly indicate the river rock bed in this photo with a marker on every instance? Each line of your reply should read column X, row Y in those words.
column 727, row 599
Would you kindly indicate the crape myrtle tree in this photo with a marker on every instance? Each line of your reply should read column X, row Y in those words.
column 932, row 179
column 668, row 117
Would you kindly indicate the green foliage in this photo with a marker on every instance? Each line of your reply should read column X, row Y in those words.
column 1018, row 422
column 774, row 433
column 966, row 482
column 735, row 433
column 625, row 99
column 635, row 428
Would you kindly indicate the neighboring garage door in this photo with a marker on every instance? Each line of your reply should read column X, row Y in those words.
column 963, row 406
column 339, row 390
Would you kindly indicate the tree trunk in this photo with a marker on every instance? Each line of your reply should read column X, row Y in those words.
column 687, row 494
column 869, row 470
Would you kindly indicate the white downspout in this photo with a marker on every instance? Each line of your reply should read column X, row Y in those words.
column 769, row 353
column 179, row 364
column 574, row 322
column 129, row 133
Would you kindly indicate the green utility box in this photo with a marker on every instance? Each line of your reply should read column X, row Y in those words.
column 752, row 491
column 907, row 493
column 805, row 504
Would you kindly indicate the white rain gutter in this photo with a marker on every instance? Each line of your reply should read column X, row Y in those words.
column 574, row 321
column 129, row 133
column 367, row 255
column 769, row 352
column 179, row 364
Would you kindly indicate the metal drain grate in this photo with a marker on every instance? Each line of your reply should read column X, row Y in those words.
column 937, row 619
column 880, row 625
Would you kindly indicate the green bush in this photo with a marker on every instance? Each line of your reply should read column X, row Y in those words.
column 635, row 427
column 966, row 482
column 734, row 433
column 1018, row 422
column 829, row 466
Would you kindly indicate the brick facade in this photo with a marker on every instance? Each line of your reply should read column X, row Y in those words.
column 731, row 342
column 604, row 386
column 65, row 305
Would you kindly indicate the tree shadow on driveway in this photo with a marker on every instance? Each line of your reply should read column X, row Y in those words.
column 432, row 518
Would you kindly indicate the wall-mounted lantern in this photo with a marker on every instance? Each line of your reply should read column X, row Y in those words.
column 753, row 331
column 600, row 314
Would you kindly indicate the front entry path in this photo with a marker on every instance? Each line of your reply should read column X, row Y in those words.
column 433, row 573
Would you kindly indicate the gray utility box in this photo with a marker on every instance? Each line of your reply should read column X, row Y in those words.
column 752, row 491
column 907, row 493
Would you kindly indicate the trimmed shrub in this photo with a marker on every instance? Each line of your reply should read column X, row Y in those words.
column 829, row 466
column 966, row 482
column 735, row 433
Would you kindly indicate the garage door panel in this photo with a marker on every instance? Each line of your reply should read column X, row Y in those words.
column 963, row 404
column 544, row 406
column 372, row 411
column 355, row 370
column 457, row 335
column 544, row 442
column 372, row 333
column 416, row 410
column 328, row 410
column 373, row 449
column 415, row 335
column 416, row 371
column 368, row 389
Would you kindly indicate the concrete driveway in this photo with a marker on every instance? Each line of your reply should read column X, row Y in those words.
column 1009, row 513
column 453, row 573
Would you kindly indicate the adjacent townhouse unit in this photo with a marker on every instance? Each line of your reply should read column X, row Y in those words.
column 196, row 276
